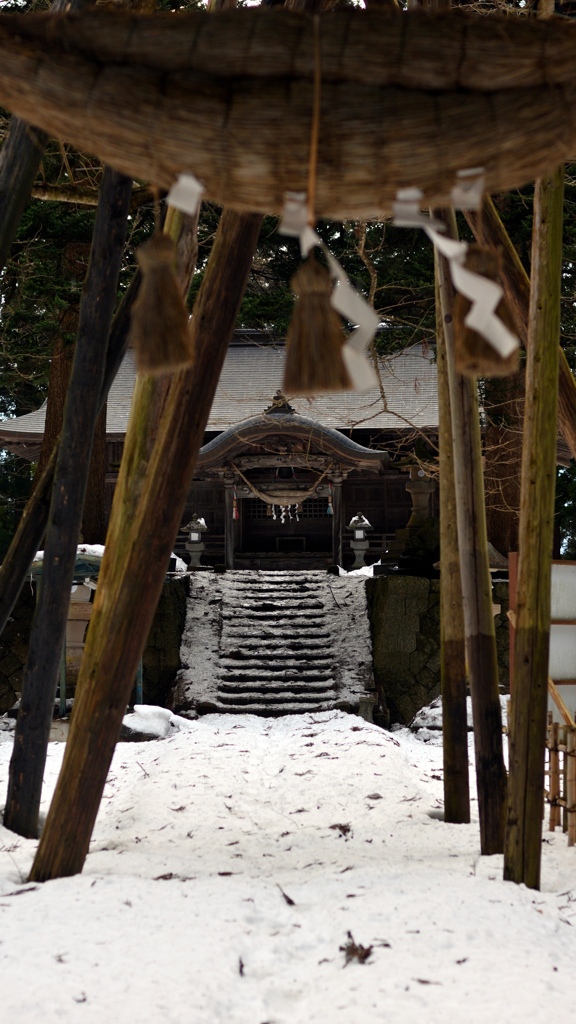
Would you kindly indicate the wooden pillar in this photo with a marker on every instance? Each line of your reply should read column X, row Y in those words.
column 80, row 414
column 530, row 691
column 229, row 524
column 452, row 641
column 476, row 584
column 337, row 522
column 131, row 578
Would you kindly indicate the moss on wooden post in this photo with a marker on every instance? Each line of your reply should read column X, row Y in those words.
column 529, row 699
column 452, row 642
column 149, row 397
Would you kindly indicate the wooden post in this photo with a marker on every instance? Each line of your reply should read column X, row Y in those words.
column 149, row 396
column 475, row 579
column 71, row 472
column 452, row 642
column 229, row 522
column 571, row 784
column 337, row 522
column 489, row 230
column 529, row 697
column 139, row 683
column 131, row 579
column 554, row 779
column 62, row 681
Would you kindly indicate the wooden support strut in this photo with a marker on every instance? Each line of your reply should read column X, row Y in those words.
column 475, row 578
column 149, row 396
column 337, row 521
column 70, row 478
column 229, row 524
column 131, row 579
column 530, row 690
column 452, row 639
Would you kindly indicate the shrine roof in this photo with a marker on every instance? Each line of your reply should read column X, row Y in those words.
column 252, row 374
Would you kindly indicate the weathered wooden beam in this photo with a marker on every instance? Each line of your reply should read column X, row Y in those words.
column 489, row 230
column 420, row 95
column 150, row 392
column 530, row 690
column 131, row 579
column 70, row 478
column 83, row 195
column 20, row 158
column 452, row 638
column 149, row 396
column 337, row 518
column 476, row 584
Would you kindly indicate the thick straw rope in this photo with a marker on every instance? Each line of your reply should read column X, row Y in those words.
column 278, row 499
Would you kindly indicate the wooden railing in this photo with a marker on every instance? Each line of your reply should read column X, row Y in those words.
column 560, row 771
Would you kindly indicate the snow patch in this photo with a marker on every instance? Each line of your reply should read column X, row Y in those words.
column 181, row 916
column 156, row 721
column 427, row 723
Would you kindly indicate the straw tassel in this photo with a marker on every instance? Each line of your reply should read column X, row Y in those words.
column 315, row 336
column 159, row 328
column 473, row 355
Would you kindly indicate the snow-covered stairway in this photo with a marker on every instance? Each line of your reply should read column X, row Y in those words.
column 274, row 643
column 275, row 646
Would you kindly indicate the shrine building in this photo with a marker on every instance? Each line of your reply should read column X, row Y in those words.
column 278, row 482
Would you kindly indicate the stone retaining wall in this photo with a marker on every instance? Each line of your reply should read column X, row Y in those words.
column 161, row 659
column 405, row 623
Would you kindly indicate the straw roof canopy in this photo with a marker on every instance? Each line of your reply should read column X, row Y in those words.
column 407, row 99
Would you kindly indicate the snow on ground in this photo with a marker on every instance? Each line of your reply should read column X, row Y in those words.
column 230, row 861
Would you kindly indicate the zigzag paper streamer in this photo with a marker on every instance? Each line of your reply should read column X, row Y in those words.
column 483, row 294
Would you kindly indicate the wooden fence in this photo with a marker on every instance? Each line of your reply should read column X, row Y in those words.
column 560, row 773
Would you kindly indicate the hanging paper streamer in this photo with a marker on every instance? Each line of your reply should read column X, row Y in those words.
column 235, row 512
column 483, row 294
column 330, row 509
column 344, row 299
column 469, row 189
column 185, row 194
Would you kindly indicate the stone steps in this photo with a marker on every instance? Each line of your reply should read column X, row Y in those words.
column 275, row 654
column 274, row 688
column 271, row 710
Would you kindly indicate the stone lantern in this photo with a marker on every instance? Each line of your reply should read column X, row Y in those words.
column 420, row 487
column 360, row 543
column 195, row 544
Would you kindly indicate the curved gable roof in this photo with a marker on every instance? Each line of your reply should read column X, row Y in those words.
column 317, row 439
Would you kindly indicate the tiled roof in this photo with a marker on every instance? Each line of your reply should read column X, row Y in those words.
column 31, row 426
column 251, row 376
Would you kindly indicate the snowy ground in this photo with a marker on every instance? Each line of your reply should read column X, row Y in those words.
column 228, row 865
